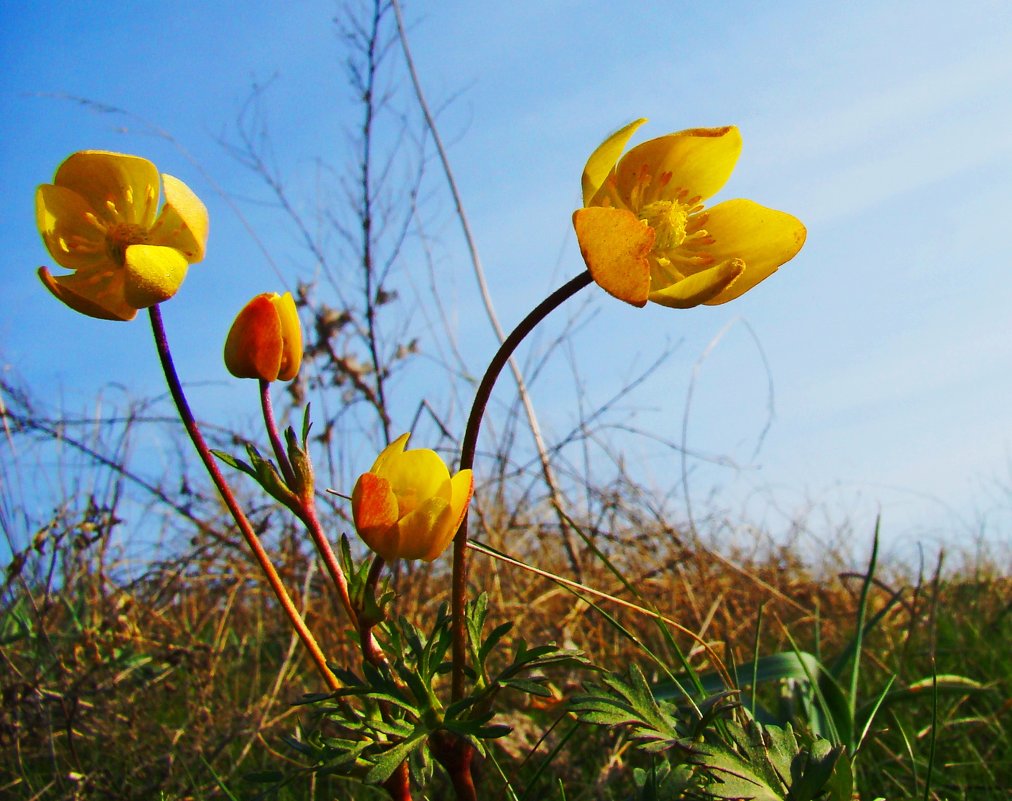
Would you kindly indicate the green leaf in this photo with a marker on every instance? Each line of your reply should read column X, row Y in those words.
column 530, row 686
column 474, row 728
column 492, row 640
column 306, row 425
column 732, row 778
column 387, row 762
column 231, row 461
column 812, row 773
column 267, row 476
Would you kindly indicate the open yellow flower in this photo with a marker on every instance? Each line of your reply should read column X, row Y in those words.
column 407, row 506
column 100, row 219
column 265, row 340
column 645, row 234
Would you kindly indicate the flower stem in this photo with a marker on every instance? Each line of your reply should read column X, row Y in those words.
column 272, row 432
column 305, row 507
column 467, row 450
column 176, row 390
column 307, row 514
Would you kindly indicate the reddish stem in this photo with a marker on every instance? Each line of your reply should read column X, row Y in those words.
column 305, row 507
column 273, row 579
column 272, row 432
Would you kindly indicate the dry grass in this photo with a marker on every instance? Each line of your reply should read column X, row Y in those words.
column 181, row 680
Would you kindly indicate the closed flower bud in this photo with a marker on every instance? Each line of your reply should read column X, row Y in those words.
column 407, row 506
column 265, row 340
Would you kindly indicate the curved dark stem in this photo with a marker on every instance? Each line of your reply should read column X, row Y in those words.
column 467, row 449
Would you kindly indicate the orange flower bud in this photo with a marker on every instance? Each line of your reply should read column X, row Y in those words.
column 265, row 340
column 407, row 506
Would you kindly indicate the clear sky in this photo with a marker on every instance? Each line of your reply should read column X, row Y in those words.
column 883, row 126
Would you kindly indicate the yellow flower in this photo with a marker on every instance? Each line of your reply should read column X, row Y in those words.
column 100, row 219
column 407, row 506
column 645, row 234
column 265, row 340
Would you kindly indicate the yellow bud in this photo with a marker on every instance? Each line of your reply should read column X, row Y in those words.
column 407, row 506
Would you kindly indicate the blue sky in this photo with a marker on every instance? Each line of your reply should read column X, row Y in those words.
column 883, row 126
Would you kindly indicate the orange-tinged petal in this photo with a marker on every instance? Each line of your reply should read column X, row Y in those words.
column 62, row 217
column 373, row 502
column 253, row 348
column 761, row 237
column 603, row 160
column 291, row 336
column 615, row 245
column 374, row 508
column 94, row 293
column 183, row 221
column 153, row 274
column 424, row 528
column 699, row 161
column 118, row 187
column 700, row 287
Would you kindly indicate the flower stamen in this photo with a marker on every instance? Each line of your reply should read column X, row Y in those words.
column 668, row 219
column 120, row 236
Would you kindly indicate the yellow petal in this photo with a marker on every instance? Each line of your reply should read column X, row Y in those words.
column 421, row 531
column 389, row 454
column 699, row 160
column 62, row 218
column 763, row 238
column 461, row 489
column 615, row 245
column 253, row 347
column 374, row 508
column 94, row 293
column 602, row 161
column 291, row 336
column 153, row 274
column 416, row 476
column 183, row 221
column 700, row 287
column 118, row 187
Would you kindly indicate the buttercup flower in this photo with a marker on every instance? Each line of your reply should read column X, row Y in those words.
column 265, row 340
column 100, row 219
column 407, row 506
column 645, row 234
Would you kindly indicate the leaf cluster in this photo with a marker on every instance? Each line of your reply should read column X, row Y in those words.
column 386, row 713
column 710, row 755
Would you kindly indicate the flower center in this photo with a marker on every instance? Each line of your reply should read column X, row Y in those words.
column 120, row 236
column 668, row 218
